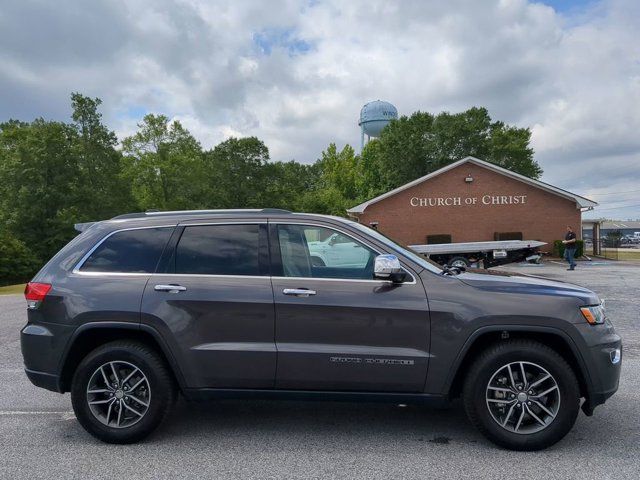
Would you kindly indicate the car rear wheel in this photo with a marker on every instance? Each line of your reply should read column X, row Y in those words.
column 522, row 395
column 122, row 391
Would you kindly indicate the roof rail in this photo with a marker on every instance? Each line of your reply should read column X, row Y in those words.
column 157, row 213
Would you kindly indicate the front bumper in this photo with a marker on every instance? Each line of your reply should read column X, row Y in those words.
column 604, row 364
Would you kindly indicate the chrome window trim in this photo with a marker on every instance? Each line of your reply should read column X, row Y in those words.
column 112, row 274
column 209, row 275
column 76, row 270
column 350, row 235
column 239, row 277
column 351, row 280
column 79, row 265
column 139, row 274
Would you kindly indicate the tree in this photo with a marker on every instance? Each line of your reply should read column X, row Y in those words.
column 337, row 182
column 40, row 184
column 105, row 190
column 236, row 173
column 285, row 184
column 164, row 164
column 370, row 171
column 17, row 262
column 54, row 174
column 413, row 146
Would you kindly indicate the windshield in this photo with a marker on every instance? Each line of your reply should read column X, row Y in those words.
column 423, row 262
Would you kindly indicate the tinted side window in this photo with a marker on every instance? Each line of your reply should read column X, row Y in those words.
column 219, row 250
column 130, row 251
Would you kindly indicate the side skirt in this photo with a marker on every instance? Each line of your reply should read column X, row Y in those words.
column 203, row 394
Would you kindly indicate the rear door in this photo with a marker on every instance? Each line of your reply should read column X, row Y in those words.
column 107, row 284
column 337, row 328
column 214, row 303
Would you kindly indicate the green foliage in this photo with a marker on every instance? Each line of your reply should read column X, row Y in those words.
column 99, row 163
column 337, row 183
column 414, row 146
column 558, row 248
column 164, row 166
column 54, row 174
column 17, row 263
column 614, row 236
column 288, row 184
column 236, row 173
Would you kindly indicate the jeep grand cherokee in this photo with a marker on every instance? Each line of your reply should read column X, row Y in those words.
column 213, row 304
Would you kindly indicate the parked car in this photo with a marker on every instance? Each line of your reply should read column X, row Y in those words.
column 211, row 304
column 338, row 250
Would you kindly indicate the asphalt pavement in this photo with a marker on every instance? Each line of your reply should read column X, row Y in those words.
column 40, row 437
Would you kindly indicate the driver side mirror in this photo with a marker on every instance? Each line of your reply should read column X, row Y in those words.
column 387, row 267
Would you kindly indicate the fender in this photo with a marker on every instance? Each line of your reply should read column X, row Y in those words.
column 166, row 351
column 522, row 328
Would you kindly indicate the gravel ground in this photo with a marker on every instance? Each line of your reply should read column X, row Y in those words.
column 266, row 439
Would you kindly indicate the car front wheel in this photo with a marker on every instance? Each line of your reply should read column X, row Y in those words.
column 122, row 391
column 522, row 395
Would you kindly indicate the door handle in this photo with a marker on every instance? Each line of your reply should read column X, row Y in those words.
column 298, row 292
column 169, row 288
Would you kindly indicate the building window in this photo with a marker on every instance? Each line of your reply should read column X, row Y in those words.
column 439, row 238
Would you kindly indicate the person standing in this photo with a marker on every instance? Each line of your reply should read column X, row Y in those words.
column 570, row 247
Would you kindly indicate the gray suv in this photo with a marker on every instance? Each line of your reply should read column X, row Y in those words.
column 218, row 304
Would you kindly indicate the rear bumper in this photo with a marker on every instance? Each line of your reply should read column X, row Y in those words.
column 44, row 380
column 42, row 345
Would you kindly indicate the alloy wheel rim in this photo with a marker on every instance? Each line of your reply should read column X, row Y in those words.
column 118, row 394
column 523, row 398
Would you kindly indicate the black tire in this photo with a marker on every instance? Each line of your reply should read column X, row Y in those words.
column 497, row 356
column 163, row 391
column 317, row 262
column 459, row 260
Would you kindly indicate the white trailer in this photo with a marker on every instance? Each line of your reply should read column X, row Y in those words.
column 489, row 253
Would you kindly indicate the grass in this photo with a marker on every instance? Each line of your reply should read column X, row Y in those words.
column 12, row 289
column 628, row 254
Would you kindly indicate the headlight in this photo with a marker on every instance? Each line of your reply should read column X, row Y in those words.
column 594, row 314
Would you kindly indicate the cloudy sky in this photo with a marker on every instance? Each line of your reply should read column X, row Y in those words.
column 295, row 73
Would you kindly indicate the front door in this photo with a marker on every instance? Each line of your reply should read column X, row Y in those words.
column 214, row 304
column 337, row 328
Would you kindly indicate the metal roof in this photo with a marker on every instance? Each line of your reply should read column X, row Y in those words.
column 619, row 224
column 581, row 202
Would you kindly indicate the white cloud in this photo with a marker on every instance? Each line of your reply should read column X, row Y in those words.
column 295, row 74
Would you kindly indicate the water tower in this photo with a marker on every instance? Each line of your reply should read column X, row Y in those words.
column 374, row 116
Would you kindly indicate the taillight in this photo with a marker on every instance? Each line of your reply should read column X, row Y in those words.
column 35, row 292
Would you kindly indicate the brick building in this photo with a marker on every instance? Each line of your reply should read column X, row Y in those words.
column 471, row 201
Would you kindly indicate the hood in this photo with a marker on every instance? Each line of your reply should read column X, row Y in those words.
column 506, row 282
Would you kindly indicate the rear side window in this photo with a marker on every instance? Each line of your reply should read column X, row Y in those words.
column 129, row 251
column 219, row 250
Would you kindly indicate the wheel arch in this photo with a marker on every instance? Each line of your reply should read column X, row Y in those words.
column 482, row 338
column 91, row 335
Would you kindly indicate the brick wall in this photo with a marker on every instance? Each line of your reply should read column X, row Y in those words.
column 502, row 204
